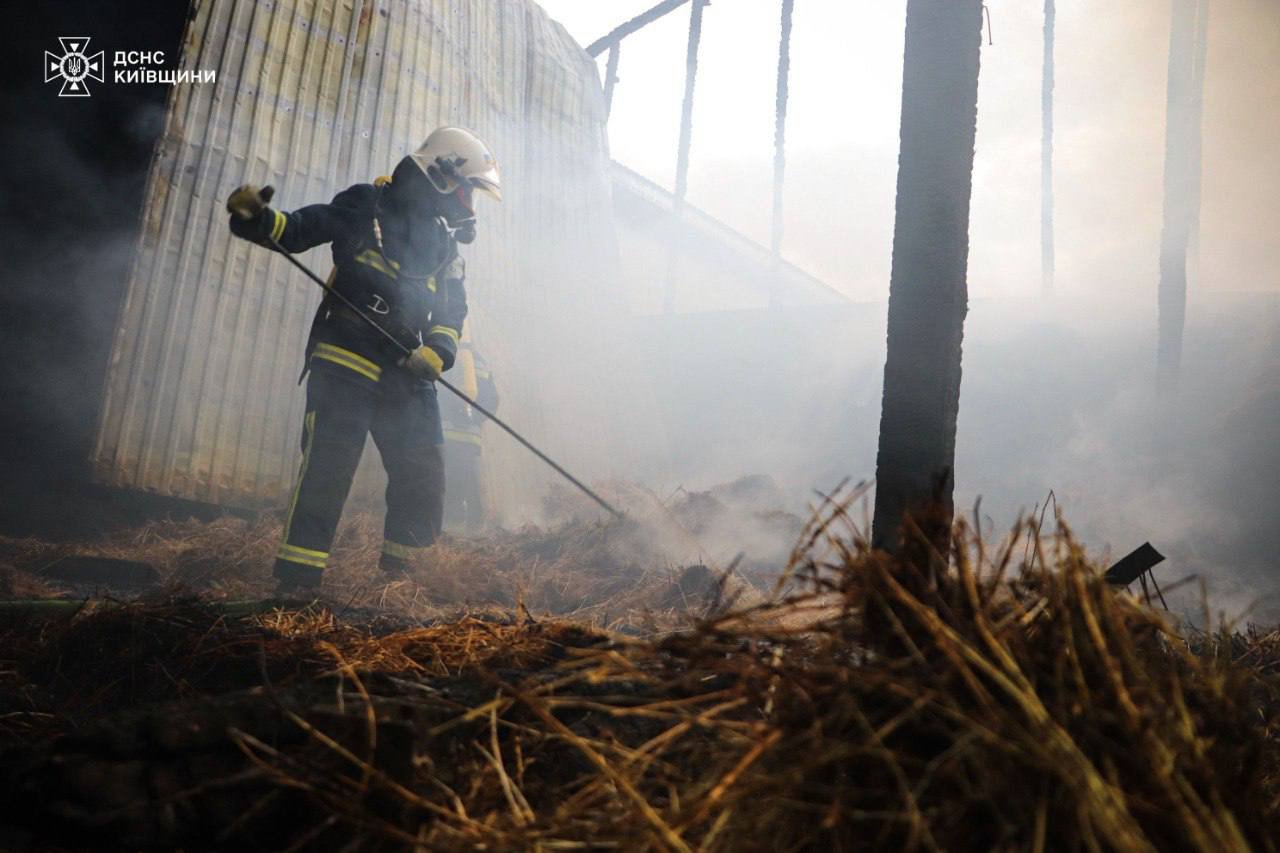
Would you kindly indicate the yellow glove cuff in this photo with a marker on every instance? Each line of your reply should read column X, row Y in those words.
column 426, row 363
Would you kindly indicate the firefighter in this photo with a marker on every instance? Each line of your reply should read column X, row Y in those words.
column 394, row 245
column 464, row 502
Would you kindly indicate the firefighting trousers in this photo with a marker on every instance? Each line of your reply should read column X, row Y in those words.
column 403, row 417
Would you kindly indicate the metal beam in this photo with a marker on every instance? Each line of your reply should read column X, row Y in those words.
column 620, row 32
column 682, row 152
column 686, row 108
column 1197, row 143
column 1047, row 259
column 779, row 139
column 611, row 77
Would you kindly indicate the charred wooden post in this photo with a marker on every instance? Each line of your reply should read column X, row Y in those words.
column 928, row 296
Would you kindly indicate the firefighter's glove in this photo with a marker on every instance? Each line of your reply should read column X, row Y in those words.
column 251, row 219
column 425, row 363
column 248, row 201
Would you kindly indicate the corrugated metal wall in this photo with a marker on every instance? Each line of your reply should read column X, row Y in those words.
column 202, row 399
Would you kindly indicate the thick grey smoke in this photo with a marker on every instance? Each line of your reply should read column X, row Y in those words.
column 1058, row 394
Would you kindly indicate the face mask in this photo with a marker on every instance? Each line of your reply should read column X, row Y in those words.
column 458, row 213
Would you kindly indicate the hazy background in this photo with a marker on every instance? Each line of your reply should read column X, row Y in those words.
column 1057, row 393
column 842, row 134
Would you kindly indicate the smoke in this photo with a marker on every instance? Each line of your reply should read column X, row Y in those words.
column 842, row 139
column 1067, row 403
column 1057, row 394
column 72, row 179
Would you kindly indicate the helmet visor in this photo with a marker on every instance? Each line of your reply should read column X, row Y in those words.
column 487, row 182
column 446, row 176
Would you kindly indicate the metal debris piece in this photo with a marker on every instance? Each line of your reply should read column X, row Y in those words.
column 1141, row 560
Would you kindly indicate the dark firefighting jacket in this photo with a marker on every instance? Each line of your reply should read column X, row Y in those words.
column 404, row 273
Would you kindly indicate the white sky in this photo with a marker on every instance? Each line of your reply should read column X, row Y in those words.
column 842, row 130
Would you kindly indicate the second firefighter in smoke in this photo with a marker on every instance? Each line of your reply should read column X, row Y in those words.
column 464, row 507
column 395, row 254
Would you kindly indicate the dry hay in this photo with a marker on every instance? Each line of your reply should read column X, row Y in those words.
column 608, row 574
column 998, row 704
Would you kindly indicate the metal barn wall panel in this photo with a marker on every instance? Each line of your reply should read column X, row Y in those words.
column 202, row 400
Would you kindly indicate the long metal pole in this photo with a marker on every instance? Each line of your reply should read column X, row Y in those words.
column 373, row 324
column 682, row 151
column 1179, row 123
column 779, row 144
column 686, row 108
column 610, row 77
column 1195, row 155
column 1047, row 251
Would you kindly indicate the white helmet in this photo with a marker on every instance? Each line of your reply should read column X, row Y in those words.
column 453, row 155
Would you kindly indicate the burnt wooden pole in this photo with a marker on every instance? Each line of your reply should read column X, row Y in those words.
column 928, row 293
